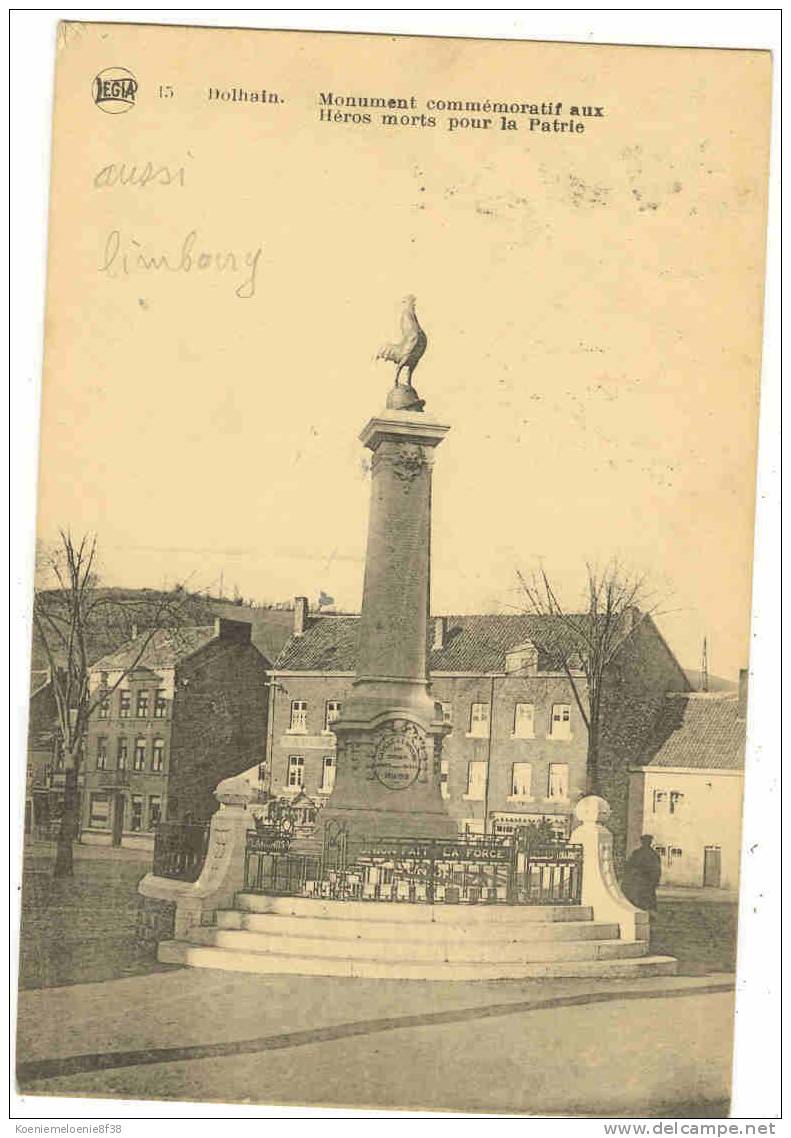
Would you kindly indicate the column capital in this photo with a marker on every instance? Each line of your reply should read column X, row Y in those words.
column 406, row 426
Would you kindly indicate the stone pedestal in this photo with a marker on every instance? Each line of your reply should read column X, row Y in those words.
column 600, row 888
column 390, row 732
column 222, row 875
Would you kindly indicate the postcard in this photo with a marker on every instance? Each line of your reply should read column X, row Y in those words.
column 391, row 627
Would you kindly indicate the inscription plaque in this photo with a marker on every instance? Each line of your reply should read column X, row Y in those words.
column 396, row 762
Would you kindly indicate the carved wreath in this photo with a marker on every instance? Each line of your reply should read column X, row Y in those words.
column 406, row 462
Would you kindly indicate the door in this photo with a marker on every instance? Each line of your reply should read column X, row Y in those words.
column 712, row 866
column 118, row 818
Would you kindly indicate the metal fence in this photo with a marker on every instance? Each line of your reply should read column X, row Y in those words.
column 270, row 868
column 180, row 850
column 513, row 870
column 548, row 875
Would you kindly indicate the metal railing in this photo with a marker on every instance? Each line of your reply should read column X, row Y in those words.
column 491, row 870
column 180, row 850
column 548, row 875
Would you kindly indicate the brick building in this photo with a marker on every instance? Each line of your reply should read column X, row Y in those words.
column 687, row 790
column 191, row 712
column 44, row 783
column 518, row 746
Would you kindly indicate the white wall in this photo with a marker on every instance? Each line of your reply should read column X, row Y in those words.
column 709, row 815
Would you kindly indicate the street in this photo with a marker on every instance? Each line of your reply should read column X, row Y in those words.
column 642, row 1048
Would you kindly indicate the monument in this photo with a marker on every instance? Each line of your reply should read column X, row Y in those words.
column 389, row 736
column 388, row 860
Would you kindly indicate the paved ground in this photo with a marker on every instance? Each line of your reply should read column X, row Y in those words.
column 648, row 1047
column 694, row 893
column 699, row 932
column 651, row 1047
column 80, row 928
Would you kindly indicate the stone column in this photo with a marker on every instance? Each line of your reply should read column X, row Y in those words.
column 600, row 888
column 390, row 734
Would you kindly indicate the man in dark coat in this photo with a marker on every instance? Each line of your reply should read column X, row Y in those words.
column 641, row 875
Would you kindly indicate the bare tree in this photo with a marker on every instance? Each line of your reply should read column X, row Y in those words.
column 71, row 617
column 582, row 645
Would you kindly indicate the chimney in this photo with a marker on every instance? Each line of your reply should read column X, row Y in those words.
column 744, row 676
column 440, row 633
column 631, row 617
column 239, row 631
column 300, row 615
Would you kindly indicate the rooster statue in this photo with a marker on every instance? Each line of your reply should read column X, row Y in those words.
column 407, row 353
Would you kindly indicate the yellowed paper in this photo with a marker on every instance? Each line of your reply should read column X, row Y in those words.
column 235, row 219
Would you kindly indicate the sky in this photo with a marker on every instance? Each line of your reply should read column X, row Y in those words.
column 592, row 305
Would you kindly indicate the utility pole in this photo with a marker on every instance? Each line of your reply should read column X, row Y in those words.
column 704, row 667
column 488, row 762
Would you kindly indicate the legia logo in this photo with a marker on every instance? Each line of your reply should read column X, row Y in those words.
column 114, row 90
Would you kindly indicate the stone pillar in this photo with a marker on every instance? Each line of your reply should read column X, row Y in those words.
column 390, row 733
column 222, row 875
column 600, row 888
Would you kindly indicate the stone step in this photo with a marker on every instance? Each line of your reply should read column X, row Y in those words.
column 337, row 928
column 400, row 912
column 268, row 963
column 442, row 951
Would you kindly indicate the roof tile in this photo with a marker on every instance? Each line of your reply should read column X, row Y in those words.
column 699, row 732
column 165, row 649
column 472, row 643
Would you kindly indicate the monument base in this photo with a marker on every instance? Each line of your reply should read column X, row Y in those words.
column 303, row 937
column 388, row 778
column 363, row 825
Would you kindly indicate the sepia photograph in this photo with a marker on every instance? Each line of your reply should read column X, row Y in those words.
column 388, row 621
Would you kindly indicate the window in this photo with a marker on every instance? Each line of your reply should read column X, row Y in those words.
column 332, row 711
column 123, row 753
column 444, row 789
column 158, row 756
column 520, row 780
column 560, row 728
column 136, row 820
column 523, row 721
column 160, row 705
column 142, row 705
column 558, row 780
column 327, row 774
column 101, row 753
column 476, row 779
column 140, row 754
column 447, row 711
column 99, row 817
column 104, row 702
column 296, row 770
column 674, row 853
column 154, row 810
column 125, row 703
column 669, row 801
column 479, row 720
column 299, row 716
